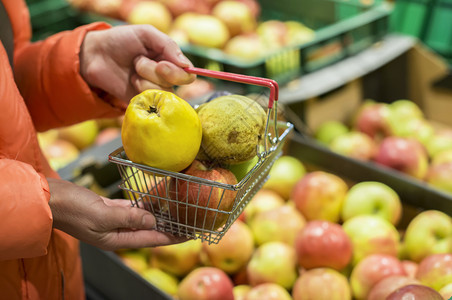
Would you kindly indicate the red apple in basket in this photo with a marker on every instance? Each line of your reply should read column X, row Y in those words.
column 206, row 283
column 201, row 205
column 415, row 292
column 435, row 270
column 403, row 154
column 227, row 255
column 323, row 244
column 319, row 196
column 372, row 269
column 321, row 284
column 389, row 284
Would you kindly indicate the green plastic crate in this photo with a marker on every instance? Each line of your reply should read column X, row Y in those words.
column 51, row 16
column 428, row 20
column 343, row 28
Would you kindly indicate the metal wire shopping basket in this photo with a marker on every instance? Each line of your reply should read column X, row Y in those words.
column 179, row 202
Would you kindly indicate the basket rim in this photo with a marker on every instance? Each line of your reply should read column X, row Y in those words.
column 115, row 157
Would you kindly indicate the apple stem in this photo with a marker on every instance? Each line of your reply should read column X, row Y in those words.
column 152, row 109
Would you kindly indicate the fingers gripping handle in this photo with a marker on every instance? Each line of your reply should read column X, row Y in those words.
column 265, row 82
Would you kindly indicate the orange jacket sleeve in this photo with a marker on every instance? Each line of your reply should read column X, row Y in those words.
column 47, row 74
column 26, row 219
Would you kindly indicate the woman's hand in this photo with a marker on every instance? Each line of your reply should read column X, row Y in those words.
column 126, row 60
column 104, row 223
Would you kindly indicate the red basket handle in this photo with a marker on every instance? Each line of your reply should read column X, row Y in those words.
column 270, row 83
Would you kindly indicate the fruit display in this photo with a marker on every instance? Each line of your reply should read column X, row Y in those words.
column 232, row 26
column 279, row 250
column 64, row 145
column 395, row 135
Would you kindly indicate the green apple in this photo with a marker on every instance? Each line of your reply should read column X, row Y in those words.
column 242, row 169
column 371, row 234
column 273, row 262
column 430, row 232
column 446, row 291
column 439, row 143
column 284, row 174
column 329, row 130
column 371, row 197
column 419, row 129
column 162, row 280
column 240, row 291
column 404, row 109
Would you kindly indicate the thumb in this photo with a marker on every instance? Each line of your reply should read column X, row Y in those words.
column 130, row 218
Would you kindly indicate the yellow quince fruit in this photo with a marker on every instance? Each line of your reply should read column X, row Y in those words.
column 161, row 130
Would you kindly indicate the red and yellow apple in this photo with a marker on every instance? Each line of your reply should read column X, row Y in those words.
column 206, row 283
column 268, row 291
column 435, row 270
column 226, row 255
column 280, row 224
column 323, row 244
column 321, row 284
column 370, row 270
column 319, row 195
column 263, row 200
column 354, row 144
column 371, row 234
column 406, row 155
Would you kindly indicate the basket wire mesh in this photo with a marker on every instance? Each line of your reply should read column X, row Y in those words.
column 195, row 207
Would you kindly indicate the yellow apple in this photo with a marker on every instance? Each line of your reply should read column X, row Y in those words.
column 82, row 134
column 236, row 15
column 161, row 130
column 162, row 280
column 151, row 12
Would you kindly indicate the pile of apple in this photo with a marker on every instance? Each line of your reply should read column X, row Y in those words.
column 230, row 25
column 309, row 234
column 63, row 145
column 396, row 135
